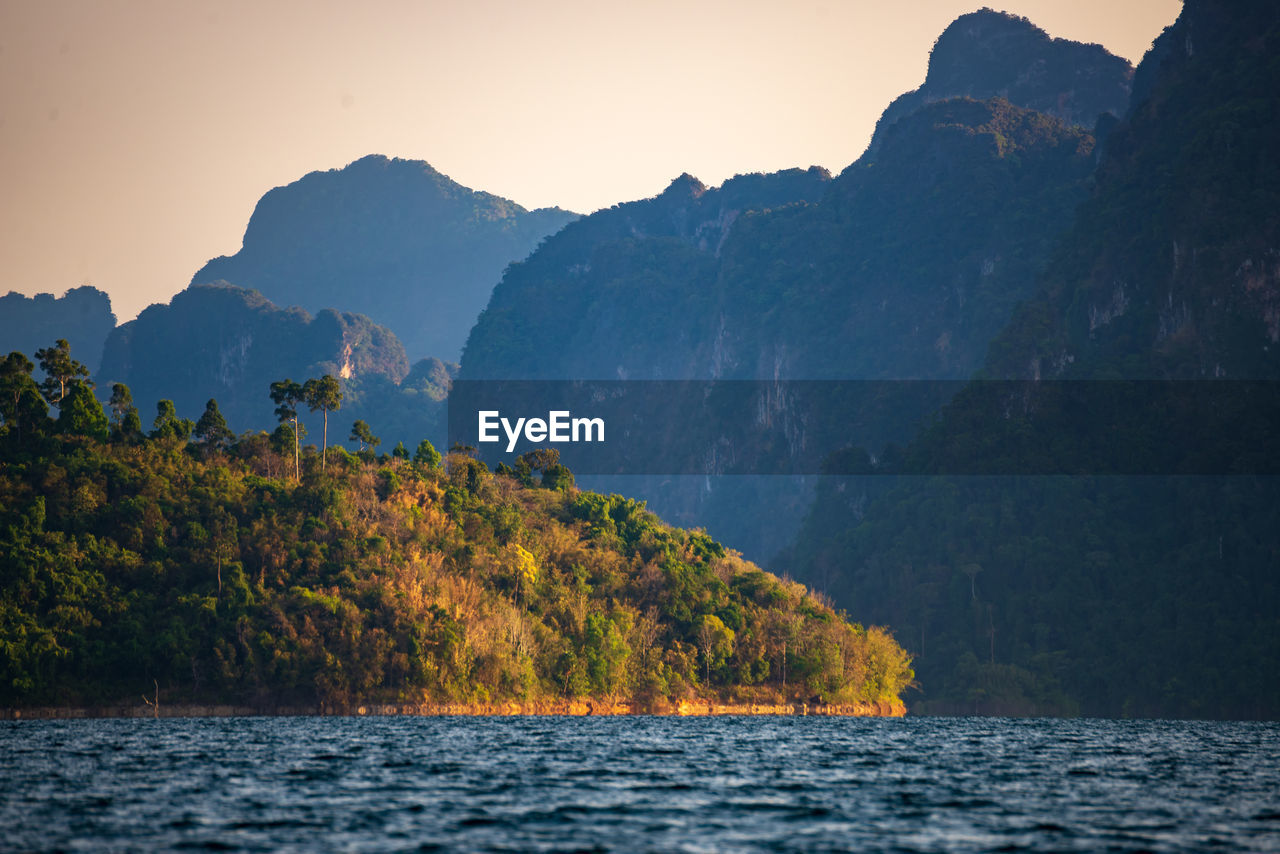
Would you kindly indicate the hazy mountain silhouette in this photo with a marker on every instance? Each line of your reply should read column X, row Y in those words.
column 392, row 239
column 82, row 316
column 905, row 266
column 229, row 343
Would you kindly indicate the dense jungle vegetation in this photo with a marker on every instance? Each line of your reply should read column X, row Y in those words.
column 246, row 569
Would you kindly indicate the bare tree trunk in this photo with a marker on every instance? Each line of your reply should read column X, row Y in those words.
column 324, row 447
column 991, row 630
column 155, row 705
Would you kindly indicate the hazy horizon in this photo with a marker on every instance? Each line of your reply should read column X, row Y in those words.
column 137, row 137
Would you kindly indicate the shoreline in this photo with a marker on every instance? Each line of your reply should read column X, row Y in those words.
column 560, row 708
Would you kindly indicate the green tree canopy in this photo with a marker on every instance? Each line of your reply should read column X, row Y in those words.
column 361, row 433
column 426, row 454
column 60, row 371
column 168, row 425
column 120, row 403
column 715, row 639
column 81, row 414
column 212, row 430
column 22, row 408
column 286, row 395
column 126, row 424
column 323, row 395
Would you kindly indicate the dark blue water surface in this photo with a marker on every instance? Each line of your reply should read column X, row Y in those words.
column 639, row 784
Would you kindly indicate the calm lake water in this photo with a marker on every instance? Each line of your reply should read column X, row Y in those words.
column 638, row 784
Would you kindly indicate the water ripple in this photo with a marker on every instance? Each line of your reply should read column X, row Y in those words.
column 638, row 784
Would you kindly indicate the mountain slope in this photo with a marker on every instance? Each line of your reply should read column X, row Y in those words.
column 1173, row 266
column 392, row 239
column 988, row 54
column 912, row 262
column 623, row 292
column 1108, row 595
column 904, row 266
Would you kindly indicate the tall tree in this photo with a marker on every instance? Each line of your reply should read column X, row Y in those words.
column 715, row 639
column 81, row 414
column 325, row 395
column 168, row 425
column 426, row 455
column 211, row 430
column 60, row 371
column 20, row 401
column 286, row 395
column 361, row 433
column 121, row 401
column 223, row 538
column 126, row 424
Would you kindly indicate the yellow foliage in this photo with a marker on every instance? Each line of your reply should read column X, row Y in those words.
column 523, row 563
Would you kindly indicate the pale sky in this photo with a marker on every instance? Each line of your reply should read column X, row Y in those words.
column 136, row 136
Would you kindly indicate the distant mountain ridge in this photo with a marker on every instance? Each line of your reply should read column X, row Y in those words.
column 905, row 266
column 585, row 303
column 393, row 239
column 911, row 263
column 82, row 316
column 230, row 343
column 798, row 275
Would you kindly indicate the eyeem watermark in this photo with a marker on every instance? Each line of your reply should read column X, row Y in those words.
column 989, row 427
column 559, row 426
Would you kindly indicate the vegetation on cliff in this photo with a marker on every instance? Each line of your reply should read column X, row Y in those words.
column 228, row 342
column 989, row 54
column 203, row 564
column 1104, row 594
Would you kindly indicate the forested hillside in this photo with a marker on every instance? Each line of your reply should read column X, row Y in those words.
column 218, row 569
column 1172, row 267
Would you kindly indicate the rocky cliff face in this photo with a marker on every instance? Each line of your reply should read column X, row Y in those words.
column 391, row 239
column 911, row 263
column 1172, row 267
column 625, row 293
column 903, row 267
column 989, row 54
column 230, row 343
column 82, row 316
column 1078, row 594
